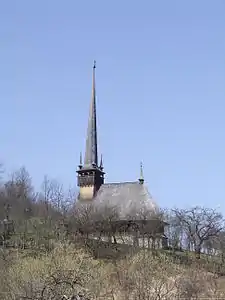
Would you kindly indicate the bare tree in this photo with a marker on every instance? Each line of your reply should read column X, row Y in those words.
column 69, row 201
column 220, row 242
column 18, row 195
column 216, row 246
column 199, row 225
column 174, row 234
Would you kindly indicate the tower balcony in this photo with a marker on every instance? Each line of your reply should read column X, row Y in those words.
column 91, row 178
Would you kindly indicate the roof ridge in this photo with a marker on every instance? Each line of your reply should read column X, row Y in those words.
column 121, row 182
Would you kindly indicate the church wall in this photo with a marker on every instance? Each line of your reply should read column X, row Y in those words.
column 147, row 242
column 125, row 239
column 143, row 242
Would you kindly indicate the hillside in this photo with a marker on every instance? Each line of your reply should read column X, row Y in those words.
column 46, row 251
column 70, row 269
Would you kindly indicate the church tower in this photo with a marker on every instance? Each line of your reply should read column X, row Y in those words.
column 90, row 174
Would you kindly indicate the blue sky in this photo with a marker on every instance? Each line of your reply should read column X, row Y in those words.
column 160, row 92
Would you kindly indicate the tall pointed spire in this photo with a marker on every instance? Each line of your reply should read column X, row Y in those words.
column 91, row 153
column 90, row 174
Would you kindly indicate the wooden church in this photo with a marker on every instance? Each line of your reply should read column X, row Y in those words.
column 136, row 217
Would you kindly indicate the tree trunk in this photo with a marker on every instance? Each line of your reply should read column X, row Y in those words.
column 198, row 252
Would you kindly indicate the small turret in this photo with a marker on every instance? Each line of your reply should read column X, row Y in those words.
column 141, row 178
column 101, row 164
column 80, row 164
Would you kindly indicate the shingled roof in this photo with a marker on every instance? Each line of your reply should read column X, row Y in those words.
column 130, row 199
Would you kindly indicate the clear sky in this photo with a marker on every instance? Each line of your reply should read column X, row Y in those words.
column 160, row 82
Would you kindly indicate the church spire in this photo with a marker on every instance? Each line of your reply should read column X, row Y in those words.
column 90, row 175
column 91, row 153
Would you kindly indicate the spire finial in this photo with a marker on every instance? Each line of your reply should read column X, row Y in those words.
column 141, row 178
